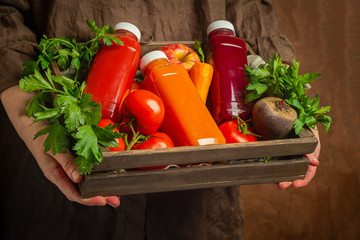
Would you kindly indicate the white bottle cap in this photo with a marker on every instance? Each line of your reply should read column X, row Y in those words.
column 129, row 27
column 147, row 58
column 220, row 24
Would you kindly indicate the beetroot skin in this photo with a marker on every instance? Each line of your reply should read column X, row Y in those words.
column 273, row 118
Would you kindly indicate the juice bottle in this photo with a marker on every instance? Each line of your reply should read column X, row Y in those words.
column 187, row 120
column 113, row 70
column 227, row 54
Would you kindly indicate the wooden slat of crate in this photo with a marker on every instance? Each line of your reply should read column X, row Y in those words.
column 305, row 143
column 220, row 175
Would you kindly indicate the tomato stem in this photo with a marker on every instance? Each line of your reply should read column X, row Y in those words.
column 131, row 117
column 243, row 127
column 137, row 137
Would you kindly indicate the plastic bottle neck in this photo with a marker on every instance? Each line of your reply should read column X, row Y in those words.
column 222, row 31
column 128, row 34
column 154, row 63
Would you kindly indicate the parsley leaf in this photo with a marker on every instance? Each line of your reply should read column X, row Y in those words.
column 87, row 148
column 106, row 136
column 34, row 82
column 50, row 114
column 87, row 145
column 36, row 102
column 65, row 82
column 90, row 109
column 30, row 68
column 57, row 139
column 73, row 117
column 85, row 164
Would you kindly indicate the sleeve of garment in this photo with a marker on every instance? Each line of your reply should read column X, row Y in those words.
column 17, row 42
column 256, row 23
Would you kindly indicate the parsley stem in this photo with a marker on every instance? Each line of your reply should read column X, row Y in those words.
column 61, row 41
column 90, row 41
column 54, row 90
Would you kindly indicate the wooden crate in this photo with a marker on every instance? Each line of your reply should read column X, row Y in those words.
column 235, row 164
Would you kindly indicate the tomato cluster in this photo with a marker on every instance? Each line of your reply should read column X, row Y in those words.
column 142, row 114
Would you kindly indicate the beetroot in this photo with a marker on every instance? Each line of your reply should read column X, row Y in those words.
column 273, row 118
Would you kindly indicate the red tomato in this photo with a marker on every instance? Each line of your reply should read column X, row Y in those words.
column 105, row 122
column 147, row 109
column 252, row 138
column 156, row 140
column 121, row 146
column 232, row 134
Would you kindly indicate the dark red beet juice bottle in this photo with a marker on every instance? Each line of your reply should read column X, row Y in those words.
column 227, row 54
column 113, row 70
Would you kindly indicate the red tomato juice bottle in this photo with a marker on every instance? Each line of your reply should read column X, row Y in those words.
column 187, row 120
column 227, row 54
column 113, row 70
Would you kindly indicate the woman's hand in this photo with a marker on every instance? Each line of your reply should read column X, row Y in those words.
column 60, row 168
column 313, row 163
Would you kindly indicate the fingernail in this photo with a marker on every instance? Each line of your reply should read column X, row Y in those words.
column 114, row 205
column 75, row 175
column 315, row 161
column 284, row 185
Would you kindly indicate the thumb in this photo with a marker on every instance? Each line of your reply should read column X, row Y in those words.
column 67, row 162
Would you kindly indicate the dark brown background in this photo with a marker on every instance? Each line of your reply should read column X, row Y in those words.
column 325, row 34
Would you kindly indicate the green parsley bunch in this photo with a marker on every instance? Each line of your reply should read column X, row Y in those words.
column 276, row 79
column 60, row 100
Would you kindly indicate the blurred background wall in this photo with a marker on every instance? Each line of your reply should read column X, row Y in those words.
column 326, row 36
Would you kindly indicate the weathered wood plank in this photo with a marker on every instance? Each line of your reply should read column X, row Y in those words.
column 219, row 175
column 304, row 144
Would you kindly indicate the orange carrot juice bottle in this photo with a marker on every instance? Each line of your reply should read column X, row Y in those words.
column 187, row 120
